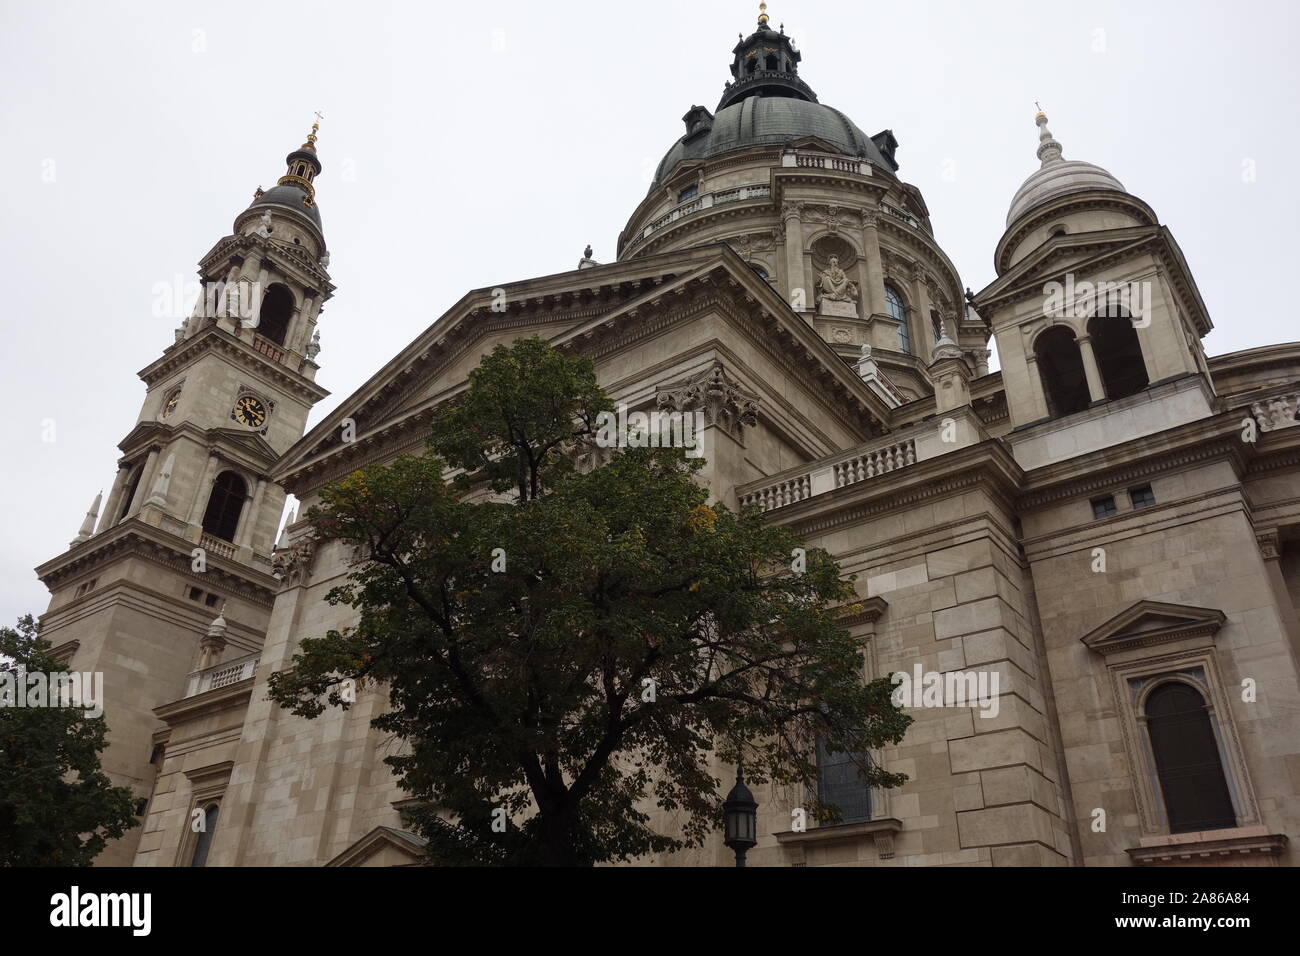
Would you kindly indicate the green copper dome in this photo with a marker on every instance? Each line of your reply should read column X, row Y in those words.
column 772, row 121
column 767, row 103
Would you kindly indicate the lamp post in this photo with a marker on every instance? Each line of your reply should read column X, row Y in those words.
column 740, row 813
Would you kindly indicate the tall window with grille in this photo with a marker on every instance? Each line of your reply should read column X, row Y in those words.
column 894, row 306
column 221, row 519
column 1192, row 781
column 840, row 784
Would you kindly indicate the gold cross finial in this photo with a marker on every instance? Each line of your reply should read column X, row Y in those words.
column 762, row 13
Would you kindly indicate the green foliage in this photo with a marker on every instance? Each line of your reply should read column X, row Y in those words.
column 57, row 807
column 530, row 688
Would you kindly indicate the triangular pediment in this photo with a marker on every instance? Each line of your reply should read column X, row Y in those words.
column 383, row 846
column 817, row 143
column 1153, row 623
column 585, row 310
column 251, row 443
column 1077, row 252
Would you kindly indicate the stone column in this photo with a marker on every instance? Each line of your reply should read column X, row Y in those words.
column 146, row 478
column 1041, row 410
column 1096, row 390
column 250, row 504
column 873, row 292
column 224, row 317
column 200, row 499
column 109, row 517
column 982, row 362
column 792, row 216
column 253, row 511
column 304, row 321
column 1270, row 549
column 921, row 300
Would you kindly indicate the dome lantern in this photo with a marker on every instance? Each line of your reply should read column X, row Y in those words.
column 765, row 63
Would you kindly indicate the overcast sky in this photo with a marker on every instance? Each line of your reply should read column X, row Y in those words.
column 468, row 145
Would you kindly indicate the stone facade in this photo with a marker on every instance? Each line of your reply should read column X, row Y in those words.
column 1111, row 513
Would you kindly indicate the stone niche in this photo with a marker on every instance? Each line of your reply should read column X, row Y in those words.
column 835, row 263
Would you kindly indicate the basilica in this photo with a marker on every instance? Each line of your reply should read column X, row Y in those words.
column 1106, row 528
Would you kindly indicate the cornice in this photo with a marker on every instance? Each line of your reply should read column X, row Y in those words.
column 1216, row 438
column 582, row 294
column 213, row 338
column 987, row 465
column 136, row 538
column 1040, row 215
column 1181, row 854
column 791, row 344
column 204, row 705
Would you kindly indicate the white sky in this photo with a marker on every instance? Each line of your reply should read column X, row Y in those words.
column 468, row 145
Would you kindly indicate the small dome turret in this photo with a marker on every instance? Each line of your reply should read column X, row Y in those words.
column 295, row 190
column 1057, row 176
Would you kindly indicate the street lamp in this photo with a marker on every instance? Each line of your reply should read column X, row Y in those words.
column 740, row 813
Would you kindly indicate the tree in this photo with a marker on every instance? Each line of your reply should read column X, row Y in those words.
column 57, row 806
column 574, row 648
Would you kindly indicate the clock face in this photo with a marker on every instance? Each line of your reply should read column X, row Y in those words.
column 249, row 411
column 170, row 405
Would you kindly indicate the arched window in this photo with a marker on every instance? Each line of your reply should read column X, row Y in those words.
column 769, row 62
column 204, row 841
column 894, row 306
column 840, row 784
column 1187, row 760
column 762, row 273
column 1060, row 368
column 277, row 310
column 128, row 490
column 1119, row 355
column 221, row 519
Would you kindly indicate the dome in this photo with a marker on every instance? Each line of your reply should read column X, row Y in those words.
column 1057, row 177
column 771, row 121
column 290, row 197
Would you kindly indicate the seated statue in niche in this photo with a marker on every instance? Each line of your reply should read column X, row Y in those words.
column 834, row 284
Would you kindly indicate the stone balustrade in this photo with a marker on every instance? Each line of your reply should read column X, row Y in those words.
column 223, row 548
column 861, row 464
column 222, row 675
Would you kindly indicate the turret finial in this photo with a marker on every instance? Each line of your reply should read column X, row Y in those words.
column 1049, row 150
column 315, row 128
column 762, row 14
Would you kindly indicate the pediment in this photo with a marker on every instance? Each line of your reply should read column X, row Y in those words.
column 144, row 433
column 588, row 311
column 1152, row 623
column 383, row 846
column 1051, row 261
column 817, row 143
column 251, row 443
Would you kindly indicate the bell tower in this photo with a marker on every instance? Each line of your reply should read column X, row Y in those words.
column 189, row 523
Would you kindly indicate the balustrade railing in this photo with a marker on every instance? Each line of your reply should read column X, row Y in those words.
column 223, row 548
column 862, row 464
column 222, row 675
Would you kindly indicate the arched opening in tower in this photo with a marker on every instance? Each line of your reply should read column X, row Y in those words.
column 221, row 518
column 1060, row 367
column 1119, row 354
column 277, row 311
